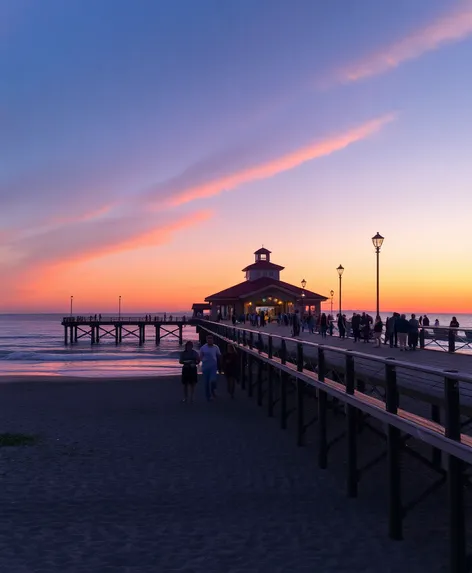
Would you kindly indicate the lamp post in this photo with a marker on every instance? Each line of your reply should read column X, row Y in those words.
column 303, row 283
column 71, row 302
column 377, row 241
column 331, row 292
column 340, row 270
column 119, row 307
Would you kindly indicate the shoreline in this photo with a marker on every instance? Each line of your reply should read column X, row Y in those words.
column 64, row 379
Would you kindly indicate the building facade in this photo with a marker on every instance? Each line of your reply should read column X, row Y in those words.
column 262, row 290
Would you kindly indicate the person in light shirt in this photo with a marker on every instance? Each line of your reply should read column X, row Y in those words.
column 210, row 357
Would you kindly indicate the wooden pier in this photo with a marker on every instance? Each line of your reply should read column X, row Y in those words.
column 304, row 381
column 77, row 328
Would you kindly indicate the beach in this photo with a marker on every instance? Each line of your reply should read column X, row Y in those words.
column 125, row 478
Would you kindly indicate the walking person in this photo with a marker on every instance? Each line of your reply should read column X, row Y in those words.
column 356, row 326
column 413, row 332
column 378, row 327
column 231, row 368
column 210, row 357
column 403, row 328
column 296, row 324
column 189, row 359
column 390, row 330
column 323, row 325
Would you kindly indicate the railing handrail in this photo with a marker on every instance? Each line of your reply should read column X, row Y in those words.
column 379, row 359
column 155, row 318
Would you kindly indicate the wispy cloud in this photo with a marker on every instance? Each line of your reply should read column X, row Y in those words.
column 451, row 27
column 94, row 238
column 182, row 189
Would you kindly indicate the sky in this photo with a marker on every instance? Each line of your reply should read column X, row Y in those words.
column 148, row 148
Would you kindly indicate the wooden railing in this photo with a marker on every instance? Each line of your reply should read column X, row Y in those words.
column 269, row 360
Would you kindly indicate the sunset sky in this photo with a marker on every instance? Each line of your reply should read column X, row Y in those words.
column 149, row 147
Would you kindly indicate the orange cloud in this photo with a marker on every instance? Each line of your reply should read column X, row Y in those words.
column 452, row 27
column 280, row 164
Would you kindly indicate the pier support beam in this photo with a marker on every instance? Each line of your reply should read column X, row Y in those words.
column 117, row 334
column 181, row 338
column 65, row 335
column 158, row 334
column 76, row 333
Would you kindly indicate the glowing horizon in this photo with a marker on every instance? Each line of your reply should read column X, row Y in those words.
column 170, row 154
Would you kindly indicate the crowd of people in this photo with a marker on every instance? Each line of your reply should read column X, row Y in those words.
column 398, row 331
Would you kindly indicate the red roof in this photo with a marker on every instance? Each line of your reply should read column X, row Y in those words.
column 247, row 288
column 263, row 266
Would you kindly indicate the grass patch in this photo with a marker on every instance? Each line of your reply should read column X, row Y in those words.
column 17, row 440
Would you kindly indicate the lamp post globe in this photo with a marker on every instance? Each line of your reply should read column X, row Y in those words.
column 377, row 241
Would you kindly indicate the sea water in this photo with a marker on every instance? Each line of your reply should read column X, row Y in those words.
column 34, row 345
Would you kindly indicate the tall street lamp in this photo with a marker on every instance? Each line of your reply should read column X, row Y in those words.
column 71, row 302
column 303, row 283
column 119, row 307
column 340, row 270
column 331, row 292
column 377, row 241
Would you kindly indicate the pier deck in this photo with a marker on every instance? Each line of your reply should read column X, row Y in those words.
column 425, row 386
column 126, row 479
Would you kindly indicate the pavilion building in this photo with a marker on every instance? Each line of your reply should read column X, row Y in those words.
column 262, row 290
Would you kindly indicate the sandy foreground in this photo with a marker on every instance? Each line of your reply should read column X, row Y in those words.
column 125, row 478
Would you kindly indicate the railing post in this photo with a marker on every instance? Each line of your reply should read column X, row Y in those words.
column 436, row 452
column 395, row 523
column 322, row 413
column 238, row 337
column 270, row 350
column 270, row 391
column 283, row 400
column 300, row 413
column 283, row 351
column 251, row 340
column 351, row 423
column 455, row 479
column 244, row 338
column 452, row 341
column 243, row 370
column 260, row 343
column 299, row 357
column 260, row 367
column 250, row 362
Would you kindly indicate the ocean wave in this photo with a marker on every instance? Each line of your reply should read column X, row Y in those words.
column 31, row 356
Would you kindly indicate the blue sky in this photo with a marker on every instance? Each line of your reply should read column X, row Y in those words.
column 111, row 110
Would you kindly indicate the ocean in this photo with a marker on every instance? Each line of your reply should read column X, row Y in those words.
column 33, row 344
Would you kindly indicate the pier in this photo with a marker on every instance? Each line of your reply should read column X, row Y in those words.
column 416, row 411
column 120, row 328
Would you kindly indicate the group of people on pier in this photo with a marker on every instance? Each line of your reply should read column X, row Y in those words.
column 398, row 331
column 213, row 361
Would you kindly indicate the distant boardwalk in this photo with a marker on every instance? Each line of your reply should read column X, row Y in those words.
column 128, row 479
